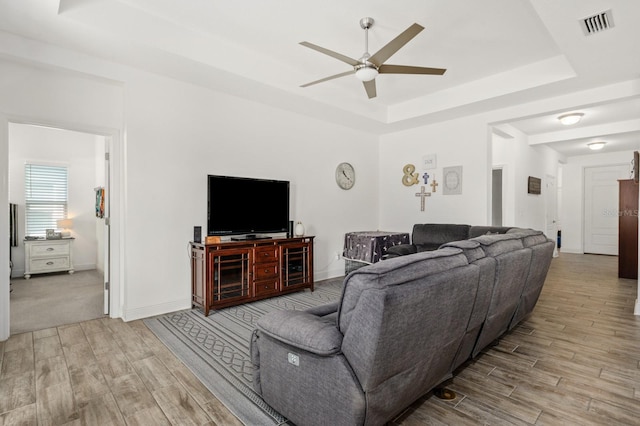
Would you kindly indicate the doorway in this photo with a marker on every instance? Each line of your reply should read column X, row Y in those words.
column 601, row 208
column 551, row 211
column 84, row 156
column 496, row 197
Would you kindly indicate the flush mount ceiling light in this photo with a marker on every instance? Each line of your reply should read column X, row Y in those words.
column 596, row 145
column 572, row 118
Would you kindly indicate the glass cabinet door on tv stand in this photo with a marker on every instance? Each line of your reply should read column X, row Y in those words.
column 230, row 270
column 297, row 265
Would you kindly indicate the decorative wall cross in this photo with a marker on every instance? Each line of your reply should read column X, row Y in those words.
column 422, row 194
column 425, row 176
column 434, row 184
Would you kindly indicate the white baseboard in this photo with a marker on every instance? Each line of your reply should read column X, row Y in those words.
column 84, row 267
column 150, row 311
column 636, row 311
column 571, row 251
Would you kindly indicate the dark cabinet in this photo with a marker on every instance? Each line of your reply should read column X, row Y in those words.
column 628, row 230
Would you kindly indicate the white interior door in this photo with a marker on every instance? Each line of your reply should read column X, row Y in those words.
column 601, row 208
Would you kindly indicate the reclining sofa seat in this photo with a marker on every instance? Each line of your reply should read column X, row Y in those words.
column 378, row 358
column 487, row 266
column 512, row 262
column 541, row 255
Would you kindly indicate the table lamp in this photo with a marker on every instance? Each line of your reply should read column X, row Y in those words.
column 65, row 225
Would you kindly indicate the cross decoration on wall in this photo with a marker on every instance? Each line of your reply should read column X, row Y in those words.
column 422, row 194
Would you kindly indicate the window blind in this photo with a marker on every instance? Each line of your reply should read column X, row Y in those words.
column 45, row 197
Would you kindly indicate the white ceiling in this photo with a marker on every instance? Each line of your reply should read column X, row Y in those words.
column 497, row 53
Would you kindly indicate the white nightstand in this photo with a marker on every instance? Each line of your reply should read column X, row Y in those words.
column 42, row 256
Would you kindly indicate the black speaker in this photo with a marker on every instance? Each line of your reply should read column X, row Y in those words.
column 290, row 233
column 197, row 234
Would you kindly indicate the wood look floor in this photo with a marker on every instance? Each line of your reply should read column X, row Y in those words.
column 575, row 361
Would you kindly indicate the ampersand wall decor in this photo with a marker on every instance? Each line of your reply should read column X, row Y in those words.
column 410, row 178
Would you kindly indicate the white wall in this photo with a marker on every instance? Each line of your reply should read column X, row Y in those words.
column 573, row 195
column 462, row 142
column 176, row 134
column 58, row 147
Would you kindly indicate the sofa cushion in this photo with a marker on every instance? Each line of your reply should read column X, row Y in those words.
column 430, row 236
column 395, row 271
column 310, row 333
column 471, row 249
column 476, row 231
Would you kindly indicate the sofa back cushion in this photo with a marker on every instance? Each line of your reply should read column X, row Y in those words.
column 512, row 267
column 430, row 236
column 487, row 266
column 403, row 320
column 476, row 231
column 541, row 254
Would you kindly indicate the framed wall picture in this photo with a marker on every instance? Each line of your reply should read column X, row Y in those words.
column 452, row 180
column 429, row 162
column 534, row 185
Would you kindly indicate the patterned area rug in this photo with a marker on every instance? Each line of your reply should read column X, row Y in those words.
column 216, row 348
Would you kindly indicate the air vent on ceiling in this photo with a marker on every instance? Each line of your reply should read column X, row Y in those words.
column 597, row 23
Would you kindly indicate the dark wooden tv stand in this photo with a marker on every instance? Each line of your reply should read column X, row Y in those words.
column 234, row 272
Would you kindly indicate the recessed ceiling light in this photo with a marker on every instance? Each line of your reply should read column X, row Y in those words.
column 596, row 145
column 572, row 118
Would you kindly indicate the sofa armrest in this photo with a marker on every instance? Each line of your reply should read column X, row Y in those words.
column 324, row 310
column 302, row 330
column 400, row 250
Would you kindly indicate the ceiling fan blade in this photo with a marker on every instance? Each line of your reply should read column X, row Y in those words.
column 394, row 45
column 407, row 69
column 370, row 87
column 331, row 53
column 329, row 78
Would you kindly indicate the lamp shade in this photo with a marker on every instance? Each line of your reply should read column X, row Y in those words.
column 64, row 223
column 596, row 145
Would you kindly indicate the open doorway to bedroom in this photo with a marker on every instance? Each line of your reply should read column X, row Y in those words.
column 59, row 280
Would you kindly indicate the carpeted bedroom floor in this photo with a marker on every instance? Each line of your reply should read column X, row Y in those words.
column 50, row 300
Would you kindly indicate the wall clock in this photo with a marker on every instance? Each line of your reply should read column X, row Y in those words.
column 345, row 176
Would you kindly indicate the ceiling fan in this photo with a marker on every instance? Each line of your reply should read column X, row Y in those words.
column 369, row 66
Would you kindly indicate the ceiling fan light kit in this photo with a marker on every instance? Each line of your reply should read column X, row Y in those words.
column 571, row 118
column 367, row 68
column 366, row 72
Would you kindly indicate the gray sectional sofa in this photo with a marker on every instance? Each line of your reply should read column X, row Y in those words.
column 401, row 328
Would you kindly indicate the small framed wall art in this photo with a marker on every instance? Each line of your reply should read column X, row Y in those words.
column 534, row 185
column 429, row 162
column 452, row 180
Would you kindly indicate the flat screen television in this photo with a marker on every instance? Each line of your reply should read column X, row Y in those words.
column 246, row 206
